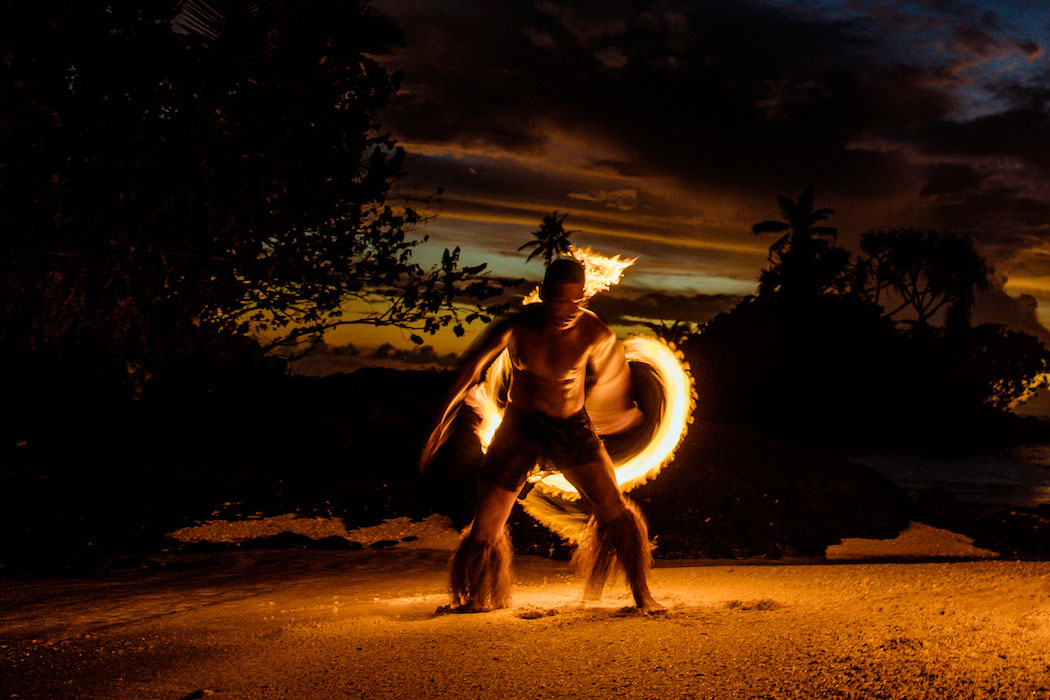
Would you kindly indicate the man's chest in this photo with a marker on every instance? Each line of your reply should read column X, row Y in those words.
column 550, row 355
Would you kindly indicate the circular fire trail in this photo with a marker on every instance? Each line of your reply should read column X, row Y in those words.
column 663, row 389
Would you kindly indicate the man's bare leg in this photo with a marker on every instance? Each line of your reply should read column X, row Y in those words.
column 480, row 578
column 617, row 531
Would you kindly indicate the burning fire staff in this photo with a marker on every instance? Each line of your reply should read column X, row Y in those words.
column 561, row 354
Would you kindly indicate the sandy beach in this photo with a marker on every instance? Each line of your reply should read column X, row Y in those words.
column 315, row 624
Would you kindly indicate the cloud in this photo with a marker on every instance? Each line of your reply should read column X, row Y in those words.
column 707, row 92
column 995, row 305
column 669, row 127
column 690, row 88
column 420, row 355
column 623, row 200
column 976, row 41
column 1031, row 49
column 623, row 307
column 1019, row 134
column 331, row 359
column 952, row 178
column 348, row 350
column 327, row 359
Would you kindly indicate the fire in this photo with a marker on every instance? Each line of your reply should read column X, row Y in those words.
column 488, row 398
column 676, row 385
column 602, row 272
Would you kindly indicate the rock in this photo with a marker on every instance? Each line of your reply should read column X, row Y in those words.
column 733, row 492
column 1018, row 532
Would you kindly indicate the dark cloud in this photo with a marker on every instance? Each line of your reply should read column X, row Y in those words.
column 1031, row 49
column 421, row 355
column 348, row 350
column 952, row 178
column 625, row 308
column 328, row 359
column 999, row 215
column 976, row 41
column 995, row 305
column 705, row 91
column 662, row 122
column 1022, row 134
column 623, row 200
column 952, row 7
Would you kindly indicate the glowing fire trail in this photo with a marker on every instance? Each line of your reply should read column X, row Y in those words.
column 667, row 415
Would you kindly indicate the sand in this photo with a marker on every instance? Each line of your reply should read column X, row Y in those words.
column 317, row 624
column 432, row 532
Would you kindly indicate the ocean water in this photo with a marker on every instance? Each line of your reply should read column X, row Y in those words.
column 1019, row 476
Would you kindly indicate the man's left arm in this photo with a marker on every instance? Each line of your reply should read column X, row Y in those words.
column 609, row 403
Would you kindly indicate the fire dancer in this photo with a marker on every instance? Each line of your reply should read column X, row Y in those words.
column 561, row 353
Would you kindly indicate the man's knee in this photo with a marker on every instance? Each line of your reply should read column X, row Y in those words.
column 492, row 511
column 597, row 483
column 610, row 511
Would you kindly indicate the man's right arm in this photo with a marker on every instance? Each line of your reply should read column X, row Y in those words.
column 469, row 370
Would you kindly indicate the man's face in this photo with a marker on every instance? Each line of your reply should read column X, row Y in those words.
column 563, row 304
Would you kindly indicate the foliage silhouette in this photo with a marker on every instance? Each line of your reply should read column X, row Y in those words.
column 675, row 332
column 925, row 270
column 799, row 225
column 804, row 259
column 550, row 240
column 164, row 189
column 1009, row 366
column 815, row 358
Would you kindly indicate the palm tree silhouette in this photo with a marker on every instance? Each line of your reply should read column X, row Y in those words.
column 675, row 332
column 551, row 240
column 804, row 259
column 799, row 226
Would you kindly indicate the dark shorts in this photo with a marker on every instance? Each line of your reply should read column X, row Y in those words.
column 526, row 439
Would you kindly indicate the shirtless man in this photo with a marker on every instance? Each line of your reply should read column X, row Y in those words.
column 561, row 354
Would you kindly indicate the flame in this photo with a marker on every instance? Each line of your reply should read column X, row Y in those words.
column 488, row 398
column 602, row 272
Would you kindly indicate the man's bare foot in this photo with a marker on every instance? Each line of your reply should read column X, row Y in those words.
column 647, row 605
column 466, row 608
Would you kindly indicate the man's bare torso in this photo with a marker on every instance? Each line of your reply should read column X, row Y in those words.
column 550, row 364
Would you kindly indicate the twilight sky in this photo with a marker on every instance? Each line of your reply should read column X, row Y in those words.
column 667, row 128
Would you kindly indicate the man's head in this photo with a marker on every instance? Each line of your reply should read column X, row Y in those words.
column 562, row 292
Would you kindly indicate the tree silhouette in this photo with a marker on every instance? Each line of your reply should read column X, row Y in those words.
column 675, row 332
column 923, row 270
column 209, row 176
column 1010, row 366
column 803, row 257
column 798, row 227
column 551, row 240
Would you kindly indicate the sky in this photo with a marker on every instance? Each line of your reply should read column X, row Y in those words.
column 666, row 129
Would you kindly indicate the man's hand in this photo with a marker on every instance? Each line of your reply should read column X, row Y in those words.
column 434, row 442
